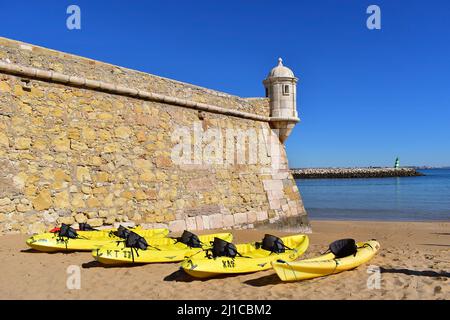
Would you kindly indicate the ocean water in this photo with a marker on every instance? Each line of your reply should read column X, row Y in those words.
column 422, row 198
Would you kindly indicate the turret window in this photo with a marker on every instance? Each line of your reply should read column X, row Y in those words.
column 286, row 90
column 267, row 92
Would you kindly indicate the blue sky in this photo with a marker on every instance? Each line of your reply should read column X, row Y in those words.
column 364, row 96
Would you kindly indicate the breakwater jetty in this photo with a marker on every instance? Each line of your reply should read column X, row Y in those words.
column 370, row 172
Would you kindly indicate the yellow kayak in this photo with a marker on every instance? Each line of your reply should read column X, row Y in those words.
column 252, row 258
column 325, row 264
column 87, row 240
column 158, row 250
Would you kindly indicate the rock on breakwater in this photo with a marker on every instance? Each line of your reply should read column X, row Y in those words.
column 318, row 173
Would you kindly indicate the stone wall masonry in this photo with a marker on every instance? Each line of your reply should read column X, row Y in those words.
column 39, row 74
column 73, row 154
column 28, row 55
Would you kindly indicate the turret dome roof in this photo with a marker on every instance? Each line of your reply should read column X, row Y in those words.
column 280, row 71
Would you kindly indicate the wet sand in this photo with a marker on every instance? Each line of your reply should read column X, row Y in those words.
column 414, row 261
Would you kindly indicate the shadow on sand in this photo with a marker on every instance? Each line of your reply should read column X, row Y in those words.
column 424, row 273
column 96, row 264
column 33, row 251
column 182, row 276
column 274, row 279
column 44, row 252
column 264, row 281
column 179, row 275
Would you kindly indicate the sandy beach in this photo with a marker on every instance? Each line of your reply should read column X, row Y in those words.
column 414, row 261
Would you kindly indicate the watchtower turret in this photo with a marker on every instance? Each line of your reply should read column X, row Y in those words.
column 281, row 89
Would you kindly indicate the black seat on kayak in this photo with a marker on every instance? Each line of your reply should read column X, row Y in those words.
column 122, row 232
column 190, row 239
column 67, row 231
column 272, row 243
column 134, row 240
column 343, row 248
column 85, row 227
column 222, row 248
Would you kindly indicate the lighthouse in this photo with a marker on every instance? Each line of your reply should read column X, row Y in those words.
column 397, row 163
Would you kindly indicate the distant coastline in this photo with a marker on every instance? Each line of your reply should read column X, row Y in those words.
column 368, row 172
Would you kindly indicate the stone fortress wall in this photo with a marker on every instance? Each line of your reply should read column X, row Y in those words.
column 86, row 141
